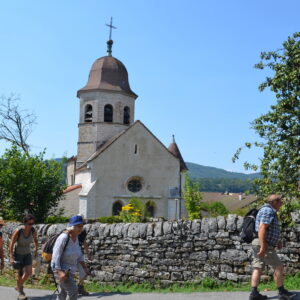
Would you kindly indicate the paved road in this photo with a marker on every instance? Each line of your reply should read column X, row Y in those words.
column 7, row 293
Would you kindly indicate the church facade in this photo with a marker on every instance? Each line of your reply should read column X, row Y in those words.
column 119, row 158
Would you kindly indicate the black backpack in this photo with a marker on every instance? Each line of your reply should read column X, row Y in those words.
column 248, row 233
column 47, row 248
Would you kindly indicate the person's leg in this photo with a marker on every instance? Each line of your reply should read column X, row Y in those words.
column 71, row 287
column 62, row 294
column 278, row 275
column 255, row 279
column 258, row 266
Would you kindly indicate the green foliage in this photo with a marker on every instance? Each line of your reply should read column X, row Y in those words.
column 192, row 198
column 241, row 211
column 133, row 212
column 279, row 129
column 215, row 209
column 29, row 183
column 110, row 220
column 284, row 212
column 56, row 220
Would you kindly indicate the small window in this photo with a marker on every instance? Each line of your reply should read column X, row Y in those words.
column 135, row 149
column 88, row 114
column 150, row 209
column 108, row 113
column 126, row 119
column 117, row 208
column 134, row 185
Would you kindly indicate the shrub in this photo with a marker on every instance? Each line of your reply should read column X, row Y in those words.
column 133, row 212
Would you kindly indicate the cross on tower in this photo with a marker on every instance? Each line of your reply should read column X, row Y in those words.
column 110, row 27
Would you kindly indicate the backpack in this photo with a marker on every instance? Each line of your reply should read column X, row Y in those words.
column 47, row 248
column 248, row 233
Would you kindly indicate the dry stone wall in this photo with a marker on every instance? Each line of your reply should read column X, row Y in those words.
column 174, row 251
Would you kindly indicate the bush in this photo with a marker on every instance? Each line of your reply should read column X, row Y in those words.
column 133, row 212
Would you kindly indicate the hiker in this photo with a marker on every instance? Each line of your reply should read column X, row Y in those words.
column 268, row 228
column 82, row 274
column 20, row 253
column 66, row 255
column 1, row 246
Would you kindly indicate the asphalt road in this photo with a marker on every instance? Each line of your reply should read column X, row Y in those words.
column 8, row 293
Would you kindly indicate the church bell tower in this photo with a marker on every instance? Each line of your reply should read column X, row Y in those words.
column 106, row 104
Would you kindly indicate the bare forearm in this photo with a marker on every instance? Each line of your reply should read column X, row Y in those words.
column 262, row 233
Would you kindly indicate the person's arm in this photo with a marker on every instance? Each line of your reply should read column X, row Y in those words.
column 58, row 250
column 36, row 243
column 262, row 234
column 81, row 261
column 86, row 250
column 12, row 245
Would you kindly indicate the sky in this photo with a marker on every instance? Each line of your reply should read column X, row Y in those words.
column 190, row 62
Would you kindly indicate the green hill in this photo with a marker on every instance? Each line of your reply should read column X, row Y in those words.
column 198, row 171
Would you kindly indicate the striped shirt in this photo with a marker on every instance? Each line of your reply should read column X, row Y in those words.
column 268, row 215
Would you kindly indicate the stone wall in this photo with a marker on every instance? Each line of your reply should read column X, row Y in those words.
column 174, row 251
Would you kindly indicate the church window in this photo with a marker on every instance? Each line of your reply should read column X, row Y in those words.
column 150, row 209
column 88, row 114
column 108, row 113
column 135, row 149
column 126, row 119
column 117, row 208
column 134, row 185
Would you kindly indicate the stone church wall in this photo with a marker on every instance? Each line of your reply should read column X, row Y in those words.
column 174, row 251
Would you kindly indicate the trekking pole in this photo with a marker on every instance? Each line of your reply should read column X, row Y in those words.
column 56, row 285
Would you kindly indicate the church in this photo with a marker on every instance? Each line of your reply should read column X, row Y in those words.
column 119, row 158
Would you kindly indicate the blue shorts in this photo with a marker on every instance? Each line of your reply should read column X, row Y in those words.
column 24, row 259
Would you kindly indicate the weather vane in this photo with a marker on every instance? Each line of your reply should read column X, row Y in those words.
column 110, row 27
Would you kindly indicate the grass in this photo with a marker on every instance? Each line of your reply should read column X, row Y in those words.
column 206, row 285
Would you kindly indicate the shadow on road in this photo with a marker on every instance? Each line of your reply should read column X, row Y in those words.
column 94, row 295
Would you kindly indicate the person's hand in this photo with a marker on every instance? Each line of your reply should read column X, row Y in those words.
column 280, row 245
column 262, row 252
column 62, row 275
column 11, row 259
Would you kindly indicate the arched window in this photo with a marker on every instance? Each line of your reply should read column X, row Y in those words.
column 108, row 113
column 117, row 208
column 150, row 209
column 126, row 118
column 88, row 113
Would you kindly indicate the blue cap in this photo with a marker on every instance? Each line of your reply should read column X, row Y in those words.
column 76, row 220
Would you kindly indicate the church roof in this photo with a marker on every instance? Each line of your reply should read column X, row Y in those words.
column 173, row 148
column 72, row 188
column 108, row 74
column 114, row 138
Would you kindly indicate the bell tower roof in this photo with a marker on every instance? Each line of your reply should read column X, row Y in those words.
column 108, row 74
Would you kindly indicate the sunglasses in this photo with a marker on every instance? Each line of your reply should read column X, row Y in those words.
column 30, row 224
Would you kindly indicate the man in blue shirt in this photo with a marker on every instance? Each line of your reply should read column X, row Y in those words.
column 268, row 228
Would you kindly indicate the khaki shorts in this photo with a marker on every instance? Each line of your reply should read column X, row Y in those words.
column 271, row 258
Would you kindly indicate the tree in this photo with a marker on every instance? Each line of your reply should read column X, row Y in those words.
column 28, row 182
column 15, row 124
column 192, row 198
column 279, row 128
